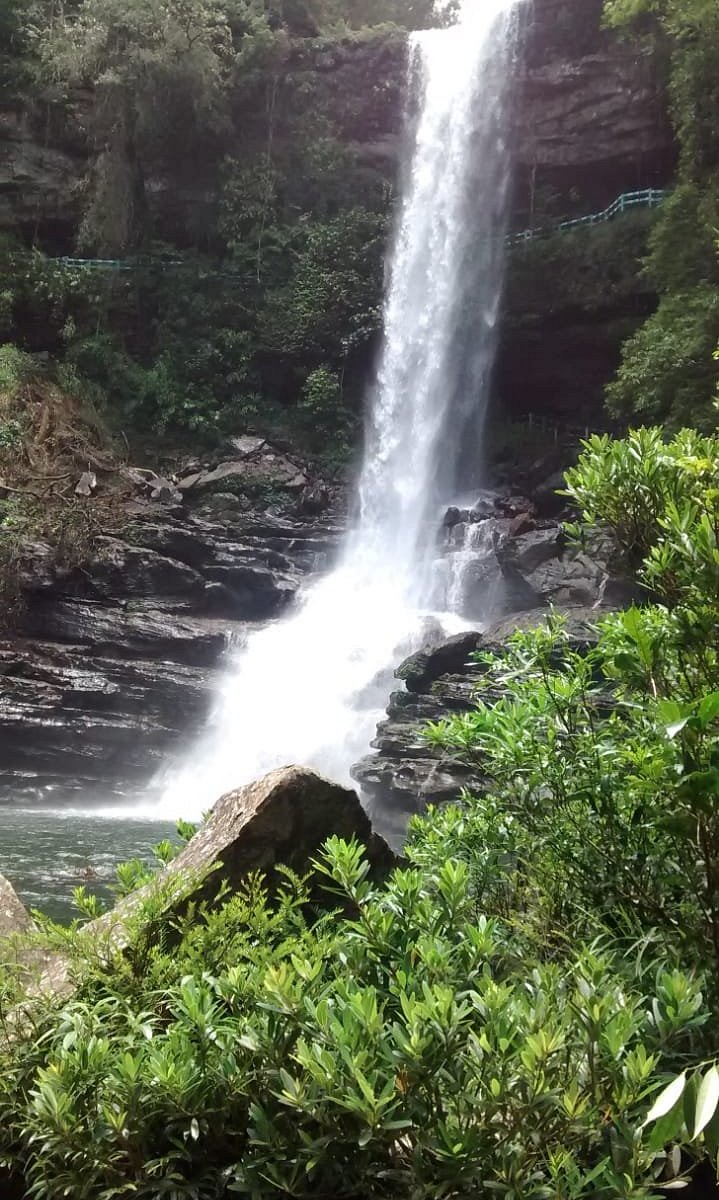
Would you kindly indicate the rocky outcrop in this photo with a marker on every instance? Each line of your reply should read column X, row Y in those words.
column 406, row 773
column 420, row 671
column 14, row 917
column 113, row 660
column 591, row 114
column 515, row 561
column 38, row 179
column 283, row 819
column 505, row 567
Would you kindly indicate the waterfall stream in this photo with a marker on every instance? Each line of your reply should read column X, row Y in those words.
column 311, row 688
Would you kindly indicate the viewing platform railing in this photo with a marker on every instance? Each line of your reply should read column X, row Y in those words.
column 648, row 198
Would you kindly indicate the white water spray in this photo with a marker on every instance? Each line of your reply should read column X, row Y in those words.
column 310, row 689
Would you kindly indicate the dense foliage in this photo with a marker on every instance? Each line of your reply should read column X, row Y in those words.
column 415, row 1050
column 604, row 759
column 589, row 270
column 240, row 291
column 667, row 372
column 494, row 1017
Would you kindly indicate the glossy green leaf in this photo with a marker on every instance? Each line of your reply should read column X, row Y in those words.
column 709, row 708
column 707, row 1101
column 666, row 1099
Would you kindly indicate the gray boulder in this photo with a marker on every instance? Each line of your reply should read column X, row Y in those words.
column 247, row 445
column 282, row 819
column 14, row 917
column 573, row 580
column 422, row 669
column 528, row 551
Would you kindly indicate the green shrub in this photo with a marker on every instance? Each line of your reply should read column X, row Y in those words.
column 586, row 269
column 635, row 485
column 15, row 368
column 604, row 763
column 666, row 371
column 415, row 1049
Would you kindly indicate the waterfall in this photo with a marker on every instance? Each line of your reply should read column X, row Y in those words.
column 311, row 688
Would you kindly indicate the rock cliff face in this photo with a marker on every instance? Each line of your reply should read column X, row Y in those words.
column 113, row 661
column 590, row 119
column 518, row 565
column 591, row 123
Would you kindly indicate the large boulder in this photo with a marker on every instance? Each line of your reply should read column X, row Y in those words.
column 14, row 917
column 421, row 670
column 268, row 469
column 282, row 819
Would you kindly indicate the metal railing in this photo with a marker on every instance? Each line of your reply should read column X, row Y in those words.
column 647, row 198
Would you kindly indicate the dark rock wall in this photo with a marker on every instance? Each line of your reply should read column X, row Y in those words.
column 590, row 120
column 591, row 112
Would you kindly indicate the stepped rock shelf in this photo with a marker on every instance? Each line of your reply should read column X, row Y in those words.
column 113, row 661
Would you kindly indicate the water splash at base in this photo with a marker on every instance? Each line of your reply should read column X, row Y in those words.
column 311, row 688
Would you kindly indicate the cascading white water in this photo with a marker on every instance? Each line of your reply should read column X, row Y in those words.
column 310, row 688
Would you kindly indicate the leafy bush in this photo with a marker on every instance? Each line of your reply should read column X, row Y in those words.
column 597, row 785
column 15, row 367
column 415, row 1049
column 604, row 762
column 666, row 372
column 497, row 1015
column 635, row 485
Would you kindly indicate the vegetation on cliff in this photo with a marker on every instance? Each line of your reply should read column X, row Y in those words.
column 667, row 372
column 255, row 300
column 265, row 298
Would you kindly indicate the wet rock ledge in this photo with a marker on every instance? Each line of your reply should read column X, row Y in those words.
column 405, row 773
column 506, row 567
column 111, row 661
